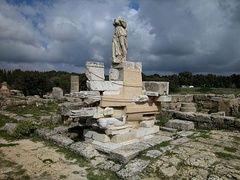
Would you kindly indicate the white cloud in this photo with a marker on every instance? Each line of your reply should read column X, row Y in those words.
column 174, row 35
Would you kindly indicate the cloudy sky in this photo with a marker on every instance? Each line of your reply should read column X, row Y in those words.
column 167, row 36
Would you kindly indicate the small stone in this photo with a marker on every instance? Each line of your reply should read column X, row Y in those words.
column 133, row 168
column 153, row 153
column 169, row 171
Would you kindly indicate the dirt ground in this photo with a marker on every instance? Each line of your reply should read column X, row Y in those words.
column 25, row 159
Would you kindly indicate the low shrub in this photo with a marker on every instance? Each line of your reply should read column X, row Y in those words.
column 24, row 128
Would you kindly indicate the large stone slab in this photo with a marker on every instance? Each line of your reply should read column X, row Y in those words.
column 128, row 65
column 161, row 87
column 125, row 153
column 95, row 71
column 180, row 124
column 61, row 140
column 113, row 130
column 164, row 98
column 86, row 94
column 86, row 150
column 128, row 152
column 119, row 138
column 104, row 85
column 84, row 112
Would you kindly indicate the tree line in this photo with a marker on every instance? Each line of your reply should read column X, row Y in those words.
column 197, row 80
column 40, row 83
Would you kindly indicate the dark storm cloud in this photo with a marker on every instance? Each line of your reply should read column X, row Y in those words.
column 168, row 36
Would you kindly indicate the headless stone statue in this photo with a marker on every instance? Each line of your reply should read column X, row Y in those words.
column 119, row 41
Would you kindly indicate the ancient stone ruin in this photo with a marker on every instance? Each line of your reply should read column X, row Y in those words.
column 121, row 110
column 4, row 91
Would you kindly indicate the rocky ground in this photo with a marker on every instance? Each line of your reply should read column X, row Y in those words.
column 189, row 155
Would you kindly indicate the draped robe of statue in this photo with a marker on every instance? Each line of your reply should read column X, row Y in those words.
column 119, row 41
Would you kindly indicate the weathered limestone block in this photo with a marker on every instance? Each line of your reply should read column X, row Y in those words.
column 201, row 117
column 131, row 77
column 151, row 93
column 141, row 132
column 133, row 168
column 184, row 115
column 61, row 140
column 114, row 74
column 161, row 87
column 180, row 124
column 57, row 93
column 171, row 106
column 74, row 83
column 128, row 65
column 188, row 107
column 182, row 98
column 202, row 97
column 104, row 85
column 140, row 98
column 95, row 71
column 4, row 89
column 164, row 98
column 111, row 93
column 86, row 150
column 68, row 106
column 84, row 112
column 223, row 120
column 119, row 138
column 88, row 133
column 108, row 111
column 147, row 124
column 113, row 130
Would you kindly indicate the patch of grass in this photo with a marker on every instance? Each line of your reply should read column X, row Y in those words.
column 63, row 177
column 36, row 111
column 230, row 149
column 216, row 145
column 205, row 136
column 236, row 138
column 102, row 176
column 227, row 156
column 207, row 90
column 161, row 122
column 163, row 144
column 4, row 120
column 8, row 145
column 169, row 153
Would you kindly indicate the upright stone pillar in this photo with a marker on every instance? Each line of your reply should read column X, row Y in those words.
column 74, row 83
